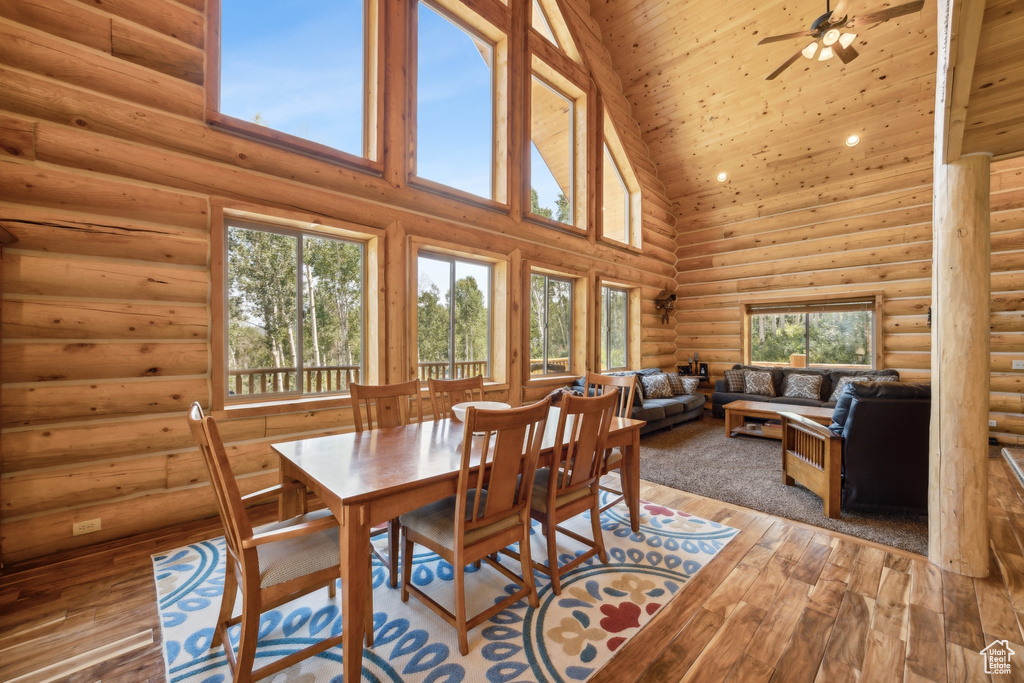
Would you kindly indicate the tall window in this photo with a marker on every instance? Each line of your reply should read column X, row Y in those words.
column 297, row 72
column 550, row 324
column 616, row 201
column 553, row 160
column 295, row 311
column 454, row 317
column 614, row 328
column 455, row 98
column 820, row 333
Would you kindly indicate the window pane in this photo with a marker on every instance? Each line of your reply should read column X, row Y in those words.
column 294, row 68
column 537, row 327
column 262, row 316
column 614, row 333
column 773, row 337
column 551, row 160
column 454, row 105
column 842, row 338
column 559, row 324
column 332, row 314
column 616, row 201
column 434, row 317
column 541, row 24
column 472, row 318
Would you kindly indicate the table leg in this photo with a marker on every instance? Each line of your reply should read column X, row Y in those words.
column 631, row 464
column 355, row 581
column 728, row 423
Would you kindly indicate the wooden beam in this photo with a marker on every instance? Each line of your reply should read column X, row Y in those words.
column 959, row 34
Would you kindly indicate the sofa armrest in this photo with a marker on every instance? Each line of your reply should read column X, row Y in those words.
column 720, row 385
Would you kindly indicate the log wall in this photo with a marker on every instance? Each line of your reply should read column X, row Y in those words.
column 109, row 177
column 836, row 241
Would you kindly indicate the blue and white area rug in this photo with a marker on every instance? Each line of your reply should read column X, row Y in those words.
column 568, row 638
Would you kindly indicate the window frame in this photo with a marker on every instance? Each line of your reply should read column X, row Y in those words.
column 290, row 222
column 566, row 85
column 373, row 97
column 872, row 301
column 573, row 318
column 612, row 146
column 477, row 25
column 500, row 303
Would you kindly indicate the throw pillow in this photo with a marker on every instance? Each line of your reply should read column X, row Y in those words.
column 734, row 383
column 656, row 386
column 690, row 385
column 676, row 383
column 803, row 386
column 759, row 383
column 843, row 381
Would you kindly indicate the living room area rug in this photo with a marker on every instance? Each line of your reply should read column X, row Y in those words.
column 567, row 638
column 745, row 470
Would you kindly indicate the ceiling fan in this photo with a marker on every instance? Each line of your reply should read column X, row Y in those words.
column 827, row 31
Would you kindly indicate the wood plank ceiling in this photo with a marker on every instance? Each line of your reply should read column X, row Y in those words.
column 695, row 77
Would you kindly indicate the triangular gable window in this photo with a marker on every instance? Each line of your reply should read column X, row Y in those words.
column 547, row 20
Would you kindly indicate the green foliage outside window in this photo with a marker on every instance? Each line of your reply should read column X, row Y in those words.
column 836, row 338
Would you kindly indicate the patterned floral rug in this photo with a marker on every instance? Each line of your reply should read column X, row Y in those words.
column 567, row 638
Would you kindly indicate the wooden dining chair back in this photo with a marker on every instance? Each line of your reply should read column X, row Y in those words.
column 570, row 486
column 444, row 393
column 386, row 405
column 272, row 564
column 596, row 385
column 489, row 511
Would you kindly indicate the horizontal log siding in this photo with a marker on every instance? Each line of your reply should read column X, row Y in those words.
column 107, row 175
column 877, row 242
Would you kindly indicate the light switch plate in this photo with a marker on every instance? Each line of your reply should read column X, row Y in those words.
column 1018, row 365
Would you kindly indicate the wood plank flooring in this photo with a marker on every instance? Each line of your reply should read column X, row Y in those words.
column 784, row 601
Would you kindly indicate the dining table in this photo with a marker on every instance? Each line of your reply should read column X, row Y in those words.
column 367, row 478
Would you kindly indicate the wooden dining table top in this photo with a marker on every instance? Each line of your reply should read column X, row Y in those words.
column 360, row 466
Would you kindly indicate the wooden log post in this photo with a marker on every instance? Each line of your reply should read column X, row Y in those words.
column 958, row 484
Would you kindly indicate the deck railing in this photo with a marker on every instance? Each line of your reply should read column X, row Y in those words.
column 554, row 365
column 332, row 378
column 440, row 370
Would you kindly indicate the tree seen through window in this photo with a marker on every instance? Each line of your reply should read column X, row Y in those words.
column 453, row 340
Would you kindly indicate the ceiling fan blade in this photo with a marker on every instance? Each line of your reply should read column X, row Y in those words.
column 846, row 54
column 840, row 11
column 890, row 13
column 787, row 36
column 785, row 65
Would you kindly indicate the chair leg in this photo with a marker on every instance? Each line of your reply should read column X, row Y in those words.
column 332, row 588
column 460, row 604
column 526, row 563
column 406, row 563
column 556, row 585
column 393, row 530
column 227, row 601
column 624, row 482
column 248, row 638
column 595, row 524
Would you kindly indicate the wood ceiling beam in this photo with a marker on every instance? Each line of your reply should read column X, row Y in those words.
column 959, row 34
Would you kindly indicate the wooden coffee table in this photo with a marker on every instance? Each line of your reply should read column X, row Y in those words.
column 736, row 411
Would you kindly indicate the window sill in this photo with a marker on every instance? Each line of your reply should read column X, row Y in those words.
column 291, row 143
column 616, row 244
column 555, row 225
column 455, row 193
column 281, row 406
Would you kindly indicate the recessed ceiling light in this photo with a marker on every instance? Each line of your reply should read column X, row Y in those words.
column 853, row 141
column 722, row 176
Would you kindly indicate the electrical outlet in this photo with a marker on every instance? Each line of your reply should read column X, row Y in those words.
column 1018, row 365
column 991, row 423
column 87, row 527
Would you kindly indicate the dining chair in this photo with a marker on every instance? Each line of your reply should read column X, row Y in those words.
column 386, row 405
column 444, row 393
column 583, row 424
column 489, row 511
column 596, row 385
column 273, row 564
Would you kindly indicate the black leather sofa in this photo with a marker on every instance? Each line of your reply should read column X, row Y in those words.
column 830, row 378
column 885, row 428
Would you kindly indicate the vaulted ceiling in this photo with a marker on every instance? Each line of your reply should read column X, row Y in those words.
column 695, row 77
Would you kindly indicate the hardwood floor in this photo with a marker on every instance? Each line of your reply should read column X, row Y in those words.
column 784, row 601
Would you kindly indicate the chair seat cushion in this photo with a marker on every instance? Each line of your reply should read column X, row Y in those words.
column 437, row 521
column 291, row 558
column 539, row 499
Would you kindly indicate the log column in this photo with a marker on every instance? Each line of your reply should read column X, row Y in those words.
column 958, row 484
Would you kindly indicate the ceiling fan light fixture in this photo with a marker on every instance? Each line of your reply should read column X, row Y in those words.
column 846, row 40
column 826, row 53
column 830, row 37
column 810, row 50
